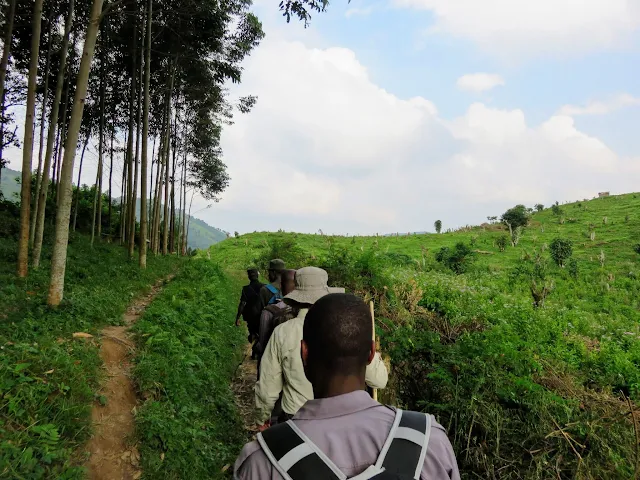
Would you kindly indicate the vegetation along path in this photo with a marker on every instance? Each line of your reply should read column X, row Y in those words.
column 112, row 452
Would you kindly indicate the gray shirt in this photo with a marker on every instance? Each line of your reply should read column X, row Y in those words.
column 351, row 430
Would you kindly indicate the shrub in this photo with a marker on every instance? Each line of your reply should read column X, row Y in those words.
column 539, row 207
column 516, row 217
column 636, row 248
column 438, row 226
column 572, row 267
column 556, row 209
column 561, row 250
column 458, row 258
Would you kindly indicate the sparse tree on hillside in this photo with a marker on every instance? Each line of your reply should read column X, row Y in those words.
column 556, row 209
column 517, row 216
column 438, row 226
column 539, row 207
column 561, row 250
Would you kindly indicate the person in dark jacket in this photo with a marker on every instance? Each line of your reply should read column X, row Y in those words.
column 250, row 304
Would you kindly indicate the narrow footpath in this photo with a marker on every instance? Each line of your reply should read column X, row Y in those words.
column 112, row 453
column 243, row 388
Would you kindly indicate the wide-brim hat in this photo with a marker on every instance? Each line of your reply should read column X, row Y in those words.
column 277, row 265
column 311, row 286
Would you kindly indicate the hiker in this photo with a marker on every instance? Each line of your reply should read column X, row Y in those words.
column 272, row 293
column 250, row 304
column 343, row 432
column 275, row 314
column 281, row 368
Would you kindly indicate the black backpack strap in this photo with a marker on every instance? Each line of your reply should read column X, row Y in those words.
column 406, row 447
column 294, row 456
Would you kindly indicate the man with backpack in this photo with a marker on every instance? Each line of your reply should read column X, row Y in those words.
column 281, row 370
column 343, row 433
column 275, row 314
column 250, row 303
column 272, row 293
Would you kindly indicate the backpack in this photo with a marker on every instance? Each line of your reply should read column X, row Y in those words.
column 253, row 307
column 295, row 457
column 277, row 295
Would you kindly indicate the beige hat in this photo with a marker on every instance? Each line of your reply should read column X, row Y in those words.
column 311, row 286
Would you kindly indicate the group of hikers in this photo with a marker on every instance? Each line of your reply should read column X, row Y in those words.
column 316, row 357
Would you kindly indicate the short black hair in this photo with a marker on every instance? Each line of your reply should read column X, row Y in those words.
column 338, row 333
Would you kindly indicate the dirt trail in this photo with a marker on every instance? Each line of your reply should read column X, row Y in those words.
column 113, row 456
column 243, row 389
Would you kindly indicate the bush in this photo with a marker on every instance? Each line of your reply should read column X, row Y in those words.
column 501, row 242
column 517, row 216
column 438, row 226
column 539, row 207
column 636, row 248
column 561, row 250
column 556, row 209
column 458, row 259
column 572, row 266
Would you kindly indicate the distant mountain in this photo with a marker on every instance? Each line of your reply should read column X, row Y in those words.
column 8, row 186
column 201, row 234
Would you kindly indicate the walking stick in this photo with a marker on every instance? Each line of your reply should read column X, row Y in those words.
column 374, row 391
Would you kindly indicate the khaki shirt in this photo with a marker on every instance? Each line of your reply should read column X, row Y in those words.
column 281, row 370
column 351, row 430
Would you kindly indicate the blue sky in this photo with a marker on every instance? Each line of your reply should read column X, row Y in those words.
column 384, row 116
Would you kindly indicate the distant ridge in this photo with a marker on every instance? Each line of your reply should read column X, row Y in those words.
column 201, row 234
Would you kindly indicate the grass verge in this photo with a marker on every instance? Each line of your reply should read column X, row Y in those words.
column 188, row 351
column 48, row 380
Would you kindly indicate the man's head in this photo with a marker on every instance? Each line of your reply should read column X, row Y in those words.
column 337, row 344
column 253, row 274
column 276, row 267
column 288, row 281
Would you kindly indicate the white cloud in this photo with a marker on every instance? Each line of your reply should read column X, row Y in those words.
column 480, row 82
column 326, row 148
column 602, row 107
column 526, row 27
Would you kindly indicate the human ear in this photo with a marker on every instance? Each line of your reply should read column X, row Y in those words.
column 372, row 352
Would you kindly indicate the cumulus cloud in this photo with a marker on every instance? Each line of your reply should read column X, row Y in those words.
column 602, row 107
column 326, row 148
column 480, row 82
column 517, row 27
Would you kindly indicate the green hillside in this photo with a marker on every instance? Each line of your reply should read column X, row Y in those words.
column 8, row 185
column 524, row 392
column 201, row 234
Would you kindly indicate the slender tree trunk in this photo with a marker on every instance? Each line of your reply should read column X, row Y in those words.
column 45, row 94
column 132, row 114
column 186, row 240
column 179, row 218
column 8, row 36
column 27, row 148
column 145, row 140
column 100, row 163
column 59, row 256
column 55, row 109
column 110, row 187
column 165, row 230
column 184, row 209
column 75, row 210
column 134, row 196
column 63, row 135
column 124, row 203
column 55, row 161
column 95, row 204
